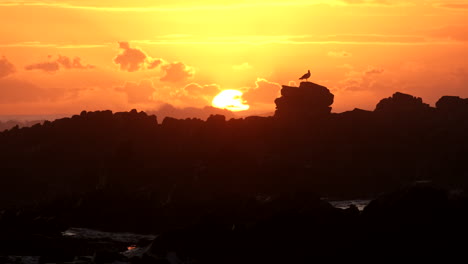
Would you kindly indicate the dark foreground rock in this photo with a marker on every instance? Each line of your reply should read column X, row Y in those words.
column 239, row 190
column 296, row 228
column 417, row 220
column 304, row 147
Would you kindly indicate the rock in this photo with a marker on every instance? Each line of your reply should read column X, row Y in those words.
column 216, row 119
column 309, row 100
column 418, row 201
column 453, row 105
column 352, row 210
column 419, row 218
column 401, row 103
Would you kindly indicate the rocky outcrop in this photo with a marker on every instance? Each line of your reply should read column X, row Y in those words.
column 309, row 100
column 401, row 103
column 13, row 123
column 420, row 218
column 453, row 105
column 223, row 191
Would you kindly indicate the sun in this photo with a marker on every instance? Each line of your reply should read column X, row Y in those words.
column 230, row 100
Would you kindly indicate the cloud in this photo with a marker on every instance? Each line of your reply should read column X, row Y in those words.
column 242, row 67
column 195, row 89
column 60, row 62
column 6, row 67
column 264, row 92
column 195, row 94
column 135, row 59
column 130, row 59
column 361, row 80
column 49, row 67
column 372, row 70
column 176, row 72
column 153, row 63
column 148, row 93
column 74, row 63
column 339, row 54
column 138, row 92
column 17, row 91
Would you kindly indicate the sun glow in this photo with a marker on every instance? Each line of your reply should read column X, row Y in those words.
column 230, row 100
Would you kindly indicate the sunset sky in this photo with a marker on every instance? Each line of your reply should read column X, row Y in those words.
column 62, row 57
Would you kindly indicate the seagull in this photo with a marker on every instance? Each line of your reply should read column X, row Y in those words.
column 305, row 76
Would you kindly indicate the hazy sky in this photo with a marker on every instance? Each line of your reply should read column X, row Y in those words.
column 69, row 55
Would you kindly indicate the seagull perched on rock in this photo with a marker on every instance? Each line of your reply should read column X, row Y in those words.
column 305, row 76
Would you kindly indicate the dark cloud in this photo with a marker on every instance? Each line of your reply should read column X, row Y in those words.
column 264, row 92
column 50, row 67
column 138, row 92
column 130, row 59
column 74, row 63
column 134, row 59
column 176, row 72
column 6, row 67
column 60, row 62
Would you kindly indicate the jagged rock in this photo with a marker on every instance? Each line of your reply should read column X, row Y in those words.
column 309, row 100
column 216, row 119
column 402, row 103
column 417, row 201
column 420, row 218
column 356, row 115
column 453, row 105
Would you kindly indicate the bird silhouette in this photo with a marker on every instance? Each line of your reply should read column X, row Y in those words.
column 305, row 76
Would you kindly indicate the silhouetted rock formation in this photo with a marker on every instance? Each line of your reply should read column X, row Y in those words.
column 420, row 218
column 12, row 123
column 403, row 104
column 307, row 101
column 453, row 105
column 243, row 185
column 292, row 227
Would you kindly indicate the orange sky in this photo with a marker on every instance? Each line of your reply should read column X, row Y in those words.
column 69, row 55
